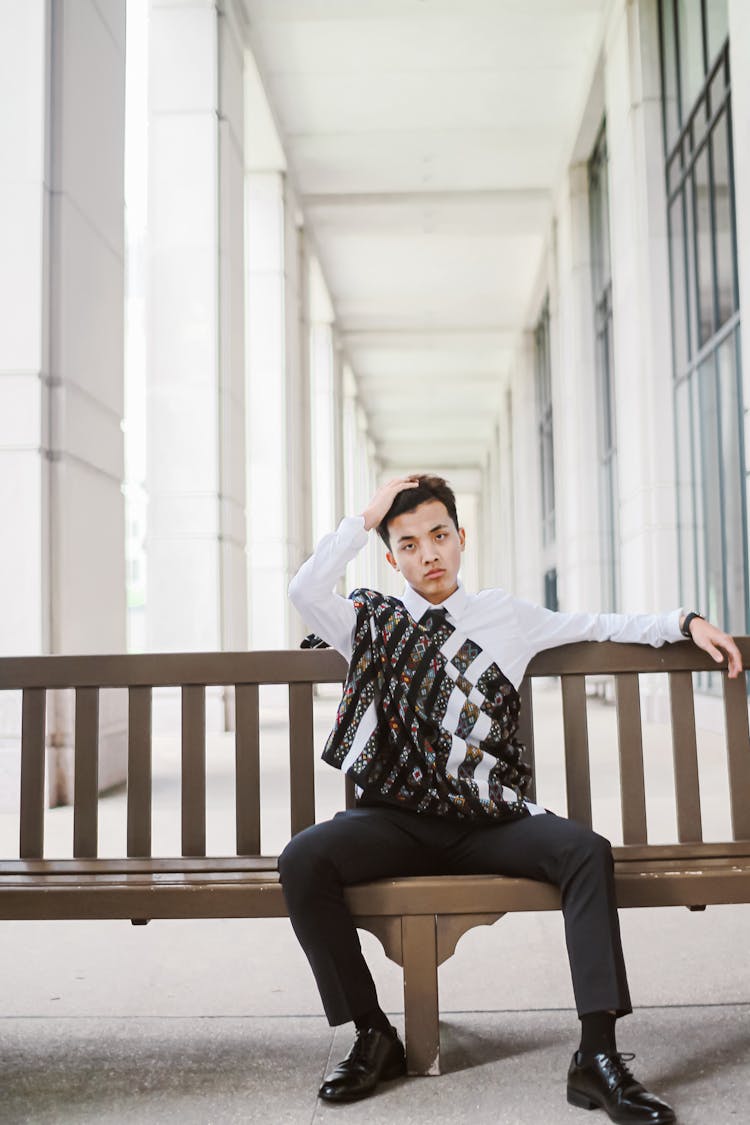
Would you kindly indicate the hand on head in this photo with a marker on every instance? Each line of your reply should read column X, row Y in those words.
column 383, row 498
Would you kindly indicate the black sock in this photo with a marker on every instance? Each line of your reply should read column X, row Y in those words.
column 376, row 1018
column 597, row 1035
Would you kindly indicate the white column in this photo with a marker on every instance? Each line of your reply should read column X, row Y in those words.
column 338, row 430
column 297, row 433
column 369, row 568
column 487, row 520
column 739, row 63
column 266, row 407
column 195, row 334
column 62, row 582
column 526, row 473
column 575, row 404
column 278, row 422
column 640, row 288
column 322, row 407
column 499, row 531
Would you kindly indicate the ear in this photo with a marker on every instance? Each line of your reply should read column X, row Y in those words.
column 391, row 560
column 462, row 538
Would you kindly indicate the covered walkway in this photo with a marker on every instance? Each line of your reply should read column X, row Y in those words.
column 257, row 256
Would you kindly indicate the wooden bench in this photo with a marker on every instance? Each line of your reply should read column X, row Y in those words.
column 418, row 920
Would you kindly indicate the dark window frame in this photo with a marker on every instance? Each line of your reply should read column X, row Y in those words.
column 704, row 335
column 543, row 378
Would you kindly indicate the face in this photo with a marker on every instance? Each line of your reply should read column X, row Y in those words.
column 426, row 548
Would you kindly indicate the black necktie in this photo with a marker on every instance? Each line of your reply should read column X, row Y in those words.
column 436, row 623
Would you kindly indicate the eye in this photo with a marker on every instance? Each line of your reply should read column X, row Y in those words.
column 440, row 535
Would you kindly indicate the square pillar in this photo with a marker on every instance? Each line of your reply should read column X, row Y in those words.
column 62, row 583
column 641, row 308
column 195, row 330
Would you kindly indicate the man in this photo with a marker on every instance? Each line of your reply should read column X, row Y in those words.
column 426, row 727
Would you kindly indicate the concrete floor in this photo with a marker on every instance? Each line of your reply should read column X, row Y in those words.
column 219, row 1021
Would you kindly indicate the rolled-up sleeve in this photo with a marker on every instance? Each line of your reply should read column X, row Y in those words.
column 312, row 592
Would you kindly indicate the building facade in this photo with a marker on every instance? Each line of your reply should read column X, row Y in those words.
column 636, row 330
column 591, row 412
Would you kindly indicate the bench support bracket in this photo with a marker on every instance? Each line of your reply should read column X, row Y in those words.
column 452, row 927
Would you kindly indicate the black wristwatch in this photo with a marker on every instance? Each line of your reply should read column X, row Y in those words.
column 685, row 627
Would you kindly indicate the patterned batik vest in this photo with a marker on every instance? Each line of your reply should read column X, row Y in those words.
column 427, row 720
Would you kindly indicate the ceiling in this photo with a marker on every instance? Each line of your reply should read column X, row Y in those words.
column 425, row 140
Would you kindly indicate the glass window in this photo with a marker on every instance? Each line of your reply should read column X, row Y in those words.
column 692, row 37
column 685, row 501
column 696, row 470
column 691, row 61
column 717, row 27
column 726, row 280
column 732, row 499
column 690, row 267
column 703, row 250
column 544, row 411
column 709, row 409
column 669, row 73
column 677, row 252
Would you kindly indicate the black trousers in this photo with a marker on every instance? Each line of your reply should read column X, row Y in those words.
column 374, row 842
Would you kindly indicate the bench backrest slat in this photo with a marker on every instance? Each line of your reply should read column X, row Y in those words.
column 193, row 770
column 32, row 773
column 86, row 783
column 301, row 756
column 526, row 731
column 575, row 733
column 139, row 771
column 247, row 766
column 193, row 672
column 738, row 755
column 630, row 750
column 685, row 756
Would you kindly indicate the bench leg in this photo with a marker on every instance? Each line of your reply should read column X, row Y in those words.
column 419, row 944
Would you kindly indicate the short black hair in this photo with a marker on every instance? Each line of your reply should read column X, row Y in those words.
column 429, row 488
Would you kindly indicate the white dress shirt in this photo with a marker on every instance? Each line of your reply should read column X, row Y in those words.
column 510, row 631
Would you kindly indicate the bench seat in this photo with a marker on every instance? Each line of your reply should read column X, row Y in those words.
column 236, row 887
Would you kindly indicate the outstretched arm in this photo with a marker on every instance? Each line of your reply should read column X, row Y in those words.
column 542, row 628
column 312, row 591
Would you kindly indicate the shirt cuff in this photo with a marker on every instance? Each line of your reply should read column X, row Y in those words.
column 672, row 631
column 352, row 531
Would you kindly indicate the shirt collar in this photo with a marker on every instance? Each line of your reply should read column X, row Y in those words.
column 418, row 606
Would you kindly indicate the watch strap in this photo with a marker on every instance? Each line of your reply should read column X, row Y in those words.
column 685, row 629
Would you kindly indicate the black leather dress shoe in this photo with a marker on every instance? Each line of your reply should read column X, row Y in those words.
column 375, row 1056
column 607, row 1083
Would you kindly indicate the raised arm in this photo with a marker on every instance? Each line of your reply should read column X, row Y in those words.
column 312, row 592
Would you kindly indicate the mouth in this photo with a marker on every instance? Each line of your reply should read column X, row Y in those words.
column 434, row 574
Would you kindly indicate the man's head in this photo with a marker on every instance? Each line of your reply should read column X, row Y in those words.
column 424, row 541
